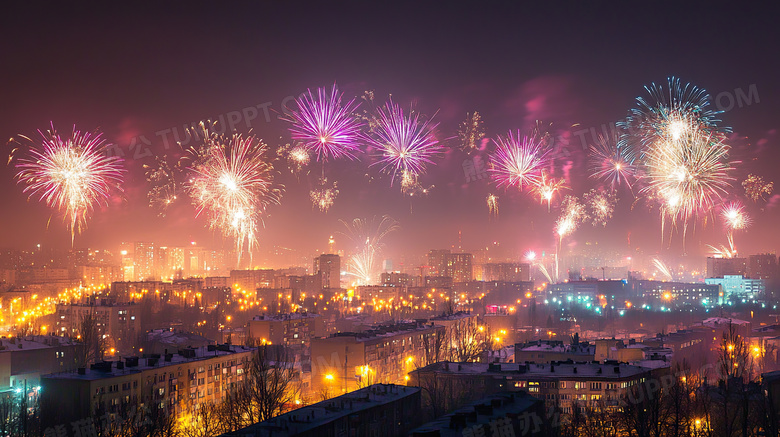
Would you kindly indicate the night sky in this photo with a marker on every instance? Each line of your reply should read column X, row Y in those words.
column 133, row 71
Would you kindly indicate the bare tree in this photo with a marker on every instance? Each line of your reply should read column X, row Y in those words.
column 468, row 341
column 206, row 421
column 94, row 345
column 267, row 390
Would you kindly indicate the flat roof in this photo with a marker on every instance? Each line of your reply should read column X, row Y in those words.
column 310, row 417
column 561, row 370
column 29, row 342
column 201, row 353
column 499, row 405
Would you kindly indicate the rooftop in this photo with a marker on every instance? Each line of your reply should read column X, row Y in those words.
column 454, row 316
column 131, row 365
column 379, row 331
column 33, row 342
column 284, row 317
column 480, row 412
column 556, row 370
column 310, row 417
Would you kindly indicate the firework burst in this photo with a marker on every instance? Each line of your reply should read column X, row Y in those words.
column 492, row 204
column 407, row 143
column 756, row 188
column 325, row 126
column 572, row 214
column 232, row 183
column 688, row 175
column 471, row 132
column 601, row 205
column 669, row 114
column 323, row 195
column 518, row 160
column 73, row 175
column 367, row 236
column 735, row 219
column 547, row 187
column 297, row 158
column 611, row 161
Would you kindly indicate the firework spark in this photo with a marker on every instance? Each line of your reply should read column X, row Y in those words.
column 547, row 187
column 411, row 186
column 367, row 237
column 518, row 160
column 756, row 188
column 492, row 204
column 736, row 219
column 406, row 142
column 601, row 205
column 324, row 195
column 163, row 179
column 612, row 161
column 326, row 126
column 297, row 158
column 232, row 184
column 471, row 132
column 73, row 175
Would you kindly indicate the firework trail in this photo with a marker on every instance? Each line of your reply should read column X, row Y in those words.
column 721, row 252
column 601, row 205
column 492, row 204
column 663, row 269
column 368, row 238
column 163, row 179
column 518, row 160
column 73, row 175
column 325, row 126
column 231, row 183
column 735, row 219
column 545, row 272
column 530, row 256
column 756, row 188
column 547, row 187
column 471, row 132
column 323, row 195
column 406, row 143
column 572, row 214
column 612, row 161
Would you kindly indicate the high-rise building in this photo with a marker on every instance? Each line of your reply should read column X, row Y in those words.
column 720, row 267
column 763, row 266
column 457, row 266
column 143, row 261
column 507, row 272
column 328, row 266
column 437, row 262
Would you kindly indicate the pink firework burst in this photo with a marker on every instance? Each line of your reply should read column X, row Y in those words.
column 325, row 125
column 407, row 142
column 518, row 160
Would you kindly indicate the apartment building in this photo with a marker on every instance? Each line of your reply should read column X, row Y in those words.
column 177, row 382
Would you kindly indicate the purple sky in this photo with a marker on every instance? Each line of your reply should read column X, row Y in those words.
column 144, row 71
